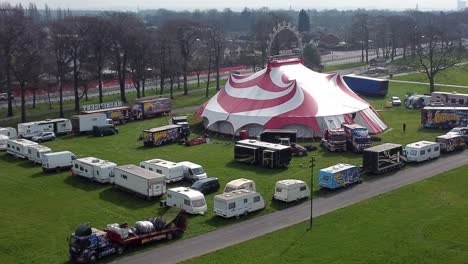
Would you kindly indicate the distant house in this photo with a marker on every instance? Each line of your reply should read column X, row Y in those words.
column 329, row 41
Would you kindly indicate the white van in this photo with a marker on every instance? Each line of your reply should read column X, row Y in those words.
column 19, row 147
column 192, row 201
column 3, row 142
column 291, row 190
column 193, row 172
column 10, row 132
column 57, row 161
column 140, row 181
column 171, row 170
column 237, row 203
column 240, row 184
column 422, row 150
column 94, row 169
column 35, row 153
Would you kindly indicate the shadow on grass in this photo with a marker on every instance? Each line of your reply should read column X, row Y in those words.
column 218, row 221
column 10, row 159
column 280, row 205
column 84, row 184
column 27, row 164
column 259, row 170
column 126, row 199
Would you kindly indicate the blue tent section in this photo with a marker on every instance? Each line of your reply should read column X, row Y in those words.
column 366, row 85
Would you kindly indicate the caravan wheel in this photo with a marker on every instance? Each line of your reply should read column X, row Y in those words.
column 169, row 236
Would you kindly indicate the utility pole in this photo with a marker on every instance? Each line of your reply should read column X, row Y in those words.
column 312, row 165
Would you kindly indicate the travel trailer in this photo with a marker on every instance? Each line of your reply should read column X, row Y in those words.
column 237, row 203
column 57, row 161
column 291, row 190
column 35, row 153
column 143, row 182
column 422, row 150
column 339, row 175
column 19, row 147
column 94, row 169
column 59, row 126
column 10, row 132
column 239, row 184
column 170, row 170
column 3, row 142
column 192, row 201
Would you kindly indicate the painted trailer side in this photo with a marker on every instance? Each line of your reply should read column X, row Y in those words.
column 444, row 117
column 118, row 115
column 366, row 85
column 149, row 107
column 339, row 175
column 162, row 135
column 383, row 158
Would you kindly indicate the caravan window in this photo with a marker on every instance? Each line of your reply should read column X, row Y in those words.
column 436, row 148
column 256, row 199
column 232, row 206
column 186, row 202
column 429, row 151
column 169, row 195
column 143, row 167
column 461, row 101
column 76, row 166
column 38, row 155
column 278, row 189
column 17, row 148
column 453, row 100
column 198, row 203
column 303, row 188
column 151, row 169
column 158, row 171
column 97, row 172
column 81, row 169
column 422, row 152
column 413, row 152
column 246, row 200
column 29, row 151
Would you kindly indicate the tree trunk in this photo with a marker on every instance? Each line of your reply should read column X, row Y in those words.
column 171, row 79
column 34, row 98
column 60, row 87
column 137, row 86
column 198, row 79
column 431, row 84
column 185, row 83
column 178, row 84
column 217, row 74
column 161, row 84
column 208, row 77
column 8, row 85
column 23, row 104
column 48, row 97
column 367, row 51
column 75, row 84
column 122, row 78
column 362, row 52
column 143, row 82
column 100, row 84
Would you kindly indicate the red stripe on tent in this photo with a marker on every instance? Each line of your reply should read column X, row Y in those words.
column 330, row 76
column 375, row 128
column 201, row 110
column 345, row 89
column 348, row 119
column 264, row 82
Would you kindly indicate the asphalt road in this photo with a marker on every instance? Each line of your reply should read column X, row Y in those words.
column 328, row 202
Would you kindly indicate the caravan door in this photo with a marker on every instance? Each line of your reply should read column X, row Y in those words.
column 268, row 158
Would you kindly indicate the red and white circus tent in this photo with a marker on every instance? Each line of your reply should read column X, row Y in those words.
column 287, row 95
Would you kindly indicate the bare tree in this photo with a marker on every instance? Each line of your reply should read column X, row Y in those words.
column 187, row 34
column 217, row 44
column 139, row 57
column 361, row 27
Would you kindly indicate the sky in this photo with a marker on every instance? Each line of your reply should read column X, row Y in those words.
column 240, row 4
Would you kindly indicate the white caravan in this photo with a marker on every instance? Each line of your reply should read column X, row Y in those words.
column 239, row 184
column 192, row 201
column 237, row 203
column 59, row 126
column 3, row 142
column 422, row 150
column 85, row 123
column 94, row 169
column 290, row 190
column 193, row 172
column 10, row 132
column 140, row 181
column 19, row 147
column 171, row 170
column 57, row 161
column 35, row 153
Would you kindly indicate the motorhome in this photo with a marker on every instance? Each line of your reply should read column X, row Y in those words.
column 57, row 161
column 35, row 153
column 192, row 201
column 422, row 150
column 172, row 171
column 339, row 175
column 237, row 203
column 94, row 169
column 291, row 190
column 10, row 132
column 239, row 184
column 59, row 126
column 192, row 171
column 19, row 147
column 143, row 182
column 3, row 142
column 86, row 123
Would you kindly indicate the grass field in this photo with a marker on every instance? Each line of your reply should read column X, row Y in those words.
column 41, row 210
column 421, row 223
column 454, row 76
column 331, row 68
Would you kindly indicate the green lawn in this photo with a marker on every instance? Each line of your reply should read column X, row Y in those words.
column 421, row 223
column 331, row 68
column 454, row 76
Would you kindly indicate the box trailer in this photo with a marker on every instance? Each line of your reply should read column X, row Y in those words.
column 172, row 171
column 60, row 126
column 118, row 115
column 19, row 147
column 57, row 161
column 339, row 175
column 149, row 107
column 444, row 117
column 262, row 153
column 86, row 123
column 94, row 169
column 164, row 134
column 237, row 203
column 10, row 132
column 35, row 153
column 290, row 190
column 450, row 143
column 239, row 184
column 190, row 200
column 366, row 85
column 422, row 150
column 143, row 182
column 383, row 158
column 274, row 135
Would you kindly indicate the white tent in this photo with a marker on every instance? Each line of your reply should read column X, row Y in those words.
column 287, row 95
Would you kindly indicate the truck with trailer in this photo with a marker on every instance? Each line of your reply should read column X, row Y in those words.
column 422, row 151
column 94, row 169
column 150, row 106
column 451, row 143
column 444, row 117
column 35, row 153
column 334, row 140
column 339, row 175
column 290, row 190
column 57, row 161
column 164, row 134
column 187, row 199
column 87, row 244
column 145, row 183
column 357, row 137
column 262, row 153
column 59, row 126
column 19, row 147
column 366, row 85
column 10, row 132
column 237, row 203
column 118, row 115
column 383, row 158
column 85, row 124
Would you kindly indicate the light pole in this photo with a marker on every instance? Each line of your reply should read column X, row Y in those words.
column 312, row 165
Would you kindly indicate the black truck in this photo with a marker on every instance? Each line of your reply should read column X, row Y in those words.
column 262, row 153
column 383, row 158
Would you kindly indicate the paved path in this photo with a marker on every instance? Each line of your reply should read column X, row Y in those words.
column 425, row 83
column 237, row 233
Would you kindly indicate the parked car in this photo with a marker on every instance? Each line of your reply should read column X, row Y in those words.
column 206, row 186
column 105, row 130
column 4, row 97
column 44, row 136
column 395, row 101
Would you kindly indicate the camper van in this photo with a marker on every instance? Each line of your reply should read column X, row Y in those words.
column 339, row 175
column 3, row 142
column 57, row 161
column 171, row 170
column 290, row 190
column 237, row 203
column 193, row 172
column 240, row 184
column 422, row 150
column 140, row 181
column 59, row 126
column 19, row 147
column 35, row 153
column 192, row 201
column 94, row 169
column 10, row 132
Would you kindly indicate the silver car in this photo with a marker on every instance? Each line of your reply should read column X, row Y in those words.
column 44, row 136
